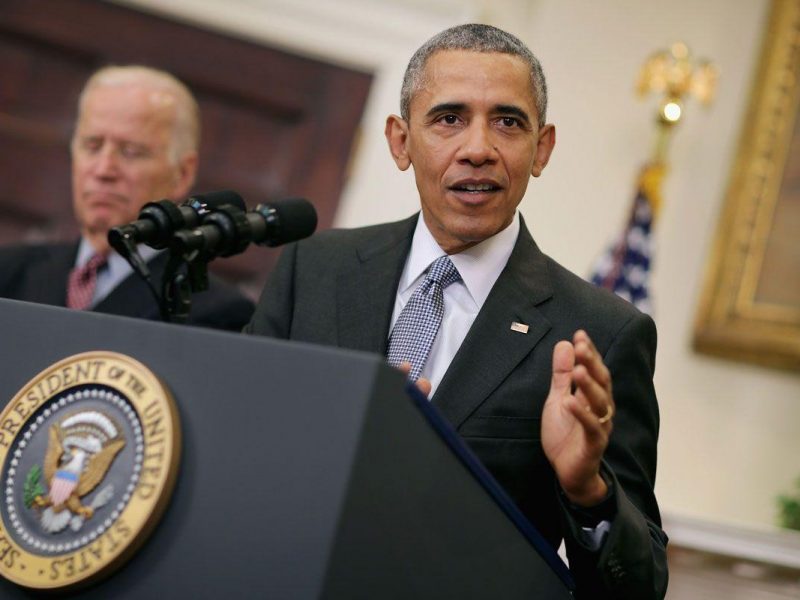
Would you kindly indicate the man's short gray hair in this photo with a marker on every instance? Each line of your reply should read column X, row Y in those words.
column 186, row 127
column 474, row 37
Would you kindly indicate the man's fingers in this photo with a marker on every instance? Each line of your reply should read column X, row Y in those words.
column 424, row 386
column 594, row 397
column 593, row 429
column 587, row 355
column 582, row 336
column 563, row 365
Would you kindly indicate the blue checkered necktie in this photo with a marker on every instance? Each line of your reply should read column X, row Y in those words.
column 416, row 327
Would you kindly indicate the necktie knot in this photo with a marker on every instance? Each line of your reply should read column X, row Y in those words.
column 82, row 282
column 443, row 272
column 94, row 264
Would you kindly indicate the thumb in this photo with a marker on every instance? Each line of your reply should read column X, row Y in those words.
column 563, row 363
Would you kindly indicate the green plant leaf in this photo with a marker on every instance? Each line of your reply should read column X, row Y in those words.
column 33, row 486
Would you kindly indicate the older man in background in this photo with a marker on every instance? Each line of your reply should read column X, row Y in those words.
column 136, row 141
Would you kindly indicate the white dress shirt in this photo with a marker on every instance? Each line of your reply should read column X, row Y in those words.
column 479, row 267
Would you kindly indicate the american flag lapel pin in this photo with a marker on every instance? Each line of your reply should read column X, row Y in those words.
column 520, row 327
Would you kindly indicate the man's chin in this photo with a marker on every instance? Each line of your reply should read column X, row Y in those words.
column 100, row 224
column 476, row 229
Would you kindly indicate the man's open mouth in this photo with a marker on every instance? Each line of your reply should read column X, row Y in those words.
column 475, row 187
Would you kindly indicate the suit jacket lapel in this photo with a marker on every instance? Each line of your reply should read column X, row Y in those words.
column 492, row 349
column 131, row 297
column 47, row 278
column 367, row 287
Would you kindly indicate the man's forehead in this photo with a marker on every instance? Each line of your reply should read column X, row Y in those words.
column 456, row 76
column 132, row 99
column 455, row 54
column 128, row 104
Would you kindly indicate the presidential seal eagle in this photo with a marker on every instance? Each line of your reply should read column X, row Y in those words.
column 80, row 451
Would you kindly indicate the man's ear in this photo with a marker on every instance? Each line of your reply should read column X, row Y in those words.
column 397, row 135
column 544, row 148
column 185, row 174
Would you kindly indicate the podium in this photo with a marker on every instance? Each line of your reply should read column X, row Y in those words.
column 306, row 472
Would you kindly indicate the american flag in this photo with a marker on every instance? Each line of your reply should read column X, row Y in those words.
column 624, row 268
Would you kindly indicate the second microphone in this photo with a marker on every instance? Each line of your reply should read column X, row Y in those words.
column 228, row 230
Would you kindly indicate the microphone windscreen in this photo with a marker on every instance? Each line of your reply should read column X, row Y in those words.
column 296, row 219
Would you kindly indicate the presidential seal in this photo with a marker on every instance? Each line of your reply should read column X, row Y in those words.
column 89, row 451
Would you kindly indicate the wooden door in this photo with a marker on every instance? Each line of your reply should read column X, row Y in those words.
column 274, row 124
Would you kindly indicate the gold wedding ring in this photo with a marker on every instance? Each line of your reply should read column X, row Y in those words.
column 609, row 413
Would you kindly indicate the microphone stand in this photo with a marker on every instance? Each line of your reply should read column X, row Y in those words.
column 126, row 248
column 194, row 249
column 186, row 273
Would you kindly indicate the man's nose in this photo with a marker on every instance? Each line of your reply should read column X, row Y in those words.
column 478, row 147
column 107, row 162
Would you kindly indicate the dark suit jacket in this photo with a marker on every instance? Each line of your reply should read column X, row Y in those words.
column 338, row 288
column 39, row 274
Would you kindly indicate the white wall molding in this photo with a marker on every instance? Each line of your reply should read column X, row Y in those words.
column 362, row 34
column 773, row 546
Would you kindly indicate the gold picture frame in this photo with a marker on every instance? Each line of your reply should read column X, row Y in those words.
column 750, row 306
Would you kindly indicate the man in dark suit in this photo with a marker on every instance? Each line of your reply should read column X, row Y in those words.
column 533, row 366
column 135, row 141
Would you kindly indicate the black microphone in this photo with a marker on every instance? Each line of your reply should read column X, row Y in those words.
column 159, row 220
column 229, row 230
column 282, row 222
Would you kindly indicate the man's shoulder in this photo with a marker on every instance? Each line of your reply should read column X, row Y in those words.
column 30, row 252
column 588, row 303
column 17, row 260
column 33, row 271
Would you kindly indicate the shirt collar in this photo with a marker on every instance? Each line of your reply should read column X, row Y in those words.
column 479, row 266
column 117, row 267
column 85, row 252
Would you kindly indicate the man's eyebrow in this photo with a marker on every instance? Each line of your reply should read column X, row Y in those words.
column 510, row 109
column 505, row 109
column 446, row 107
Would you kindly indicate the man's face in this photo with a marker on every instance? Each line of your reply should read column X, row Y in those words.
column 120, row 157
column 474, row 141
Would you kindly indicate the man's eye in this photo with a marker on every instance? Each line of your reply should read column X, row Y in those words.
column 132, row 151
column 449, row 119
column 509, row 122
column 91, row 144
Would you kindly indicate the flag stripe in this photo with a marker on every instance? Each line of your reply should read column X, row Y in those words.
column 624, row 267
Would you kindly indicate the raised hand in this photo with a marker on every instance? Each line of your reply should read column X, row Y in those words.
column 577, row 419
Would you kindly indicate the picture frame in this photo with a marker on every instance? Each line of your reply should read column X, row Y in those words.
column 750, row 304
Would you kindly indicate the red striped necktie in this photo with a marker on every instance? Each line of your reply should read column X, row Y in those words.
column 82, row 281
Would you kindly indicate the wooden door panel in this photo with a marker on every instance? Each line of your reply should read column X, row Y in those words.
column 274, row 124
